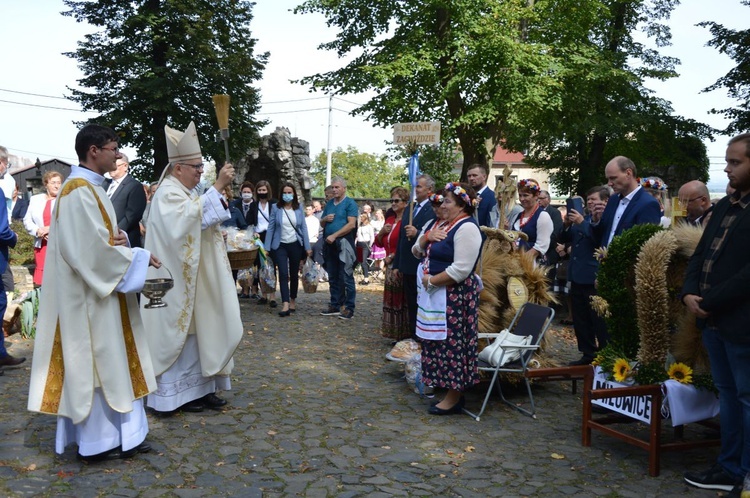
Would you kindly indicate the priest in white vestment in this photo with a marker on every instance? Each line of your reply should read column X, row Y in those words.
column 193, row 339
column 92, row 367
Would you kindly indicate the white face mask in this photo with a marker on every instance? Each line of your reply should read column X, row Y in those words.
column 247, row 196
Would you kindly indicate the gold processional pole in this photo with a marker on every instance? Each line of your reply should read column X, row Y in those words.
column 221, row 106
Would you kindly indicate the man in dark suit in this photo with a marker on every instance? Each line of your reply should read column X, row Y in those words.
column 477, row 177
column 590, row 328
column 19, row 205
column 7, row 239
column 404, row 261
column 716, row 292
column 129, row 199
column 630, row 206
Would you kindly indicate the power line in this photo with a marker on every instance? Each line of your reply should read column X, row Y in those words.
column 44, row 106
column 295, row 100
column 34, row 94
column 291, row 112
column 347, row 101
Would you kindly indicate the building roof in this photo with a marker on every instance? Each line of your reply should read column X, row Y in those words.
column 506, row 156
column 21, row 169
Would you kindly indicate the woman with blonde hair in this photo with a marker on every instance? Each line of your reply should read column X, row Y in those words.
column 38, row 219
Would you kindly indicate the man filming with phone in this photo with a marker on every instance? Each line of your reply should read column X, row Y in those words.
column 590, row 329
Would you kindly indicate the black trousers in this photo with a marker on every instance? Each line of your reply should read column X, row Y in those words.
column 410, row 291
column 590, row 328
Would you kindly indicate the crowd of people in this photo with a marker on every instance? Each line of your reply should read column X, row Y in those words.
column 98, row 369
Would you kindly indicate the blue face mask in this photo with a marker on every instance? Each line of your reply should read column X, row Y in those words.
column 287, row 197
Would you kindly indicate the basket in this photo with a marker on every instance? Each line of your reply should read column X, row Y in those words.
column 239, row 260
column 309, row 287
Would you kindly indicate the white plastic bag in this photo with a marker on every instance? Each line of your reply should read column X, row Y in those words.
column 504, row 342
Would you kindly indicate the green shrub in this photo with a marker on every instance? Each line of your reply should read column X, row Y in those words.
column 23, row 253
column 616, row 284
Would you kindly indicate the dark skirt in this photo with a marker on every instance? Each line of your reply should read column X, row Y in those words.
column 395, row 313
column 452, row 363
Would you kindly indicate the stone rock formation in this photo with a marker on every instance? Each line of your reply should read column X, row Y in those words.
column 279, row 158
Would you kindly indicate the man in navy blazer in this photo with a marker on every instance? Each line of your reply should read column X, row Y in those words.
column 477, row 177
column 630, row 206
column 129, row 200
column 404, row 260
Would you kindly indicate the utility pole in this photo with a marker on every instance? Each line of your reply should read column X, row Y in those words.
column 330, row 128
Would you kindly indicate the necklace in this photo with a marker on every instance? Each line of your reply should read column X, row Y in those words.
column 522, row 222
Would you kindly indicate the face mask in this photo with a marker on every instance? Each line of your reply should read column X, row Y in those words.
column 263, row 195
column 287, row 197
column 247, row 196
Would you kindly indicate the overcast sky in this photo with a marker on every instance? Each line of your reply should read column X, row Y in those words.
column 35, row 34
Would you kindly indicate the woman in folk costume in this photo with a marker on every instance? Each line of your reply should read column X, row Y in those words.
column 533, row 221
column 449, row 293
column 193, row 339
column 92, row 365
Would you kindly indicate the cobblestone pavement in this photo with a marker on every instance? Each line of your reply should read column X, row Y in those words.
column 315, row 410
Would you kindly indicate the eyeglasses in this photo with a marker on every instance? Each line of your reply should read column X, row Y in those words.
column 116, row 150
column 197, row 167
column 395, row 201
column 694, row 199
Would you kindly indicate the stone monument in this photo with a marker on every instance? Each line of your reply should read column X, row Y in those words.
column 279, row 158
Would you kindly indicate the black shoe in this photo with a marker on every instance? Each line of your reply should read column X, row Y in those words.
column 273, row 304
column 262, row 300
column 331, row 311
column 10, row 361
column 115, row 454
column 211, row 400
column 292, row 310
column 457, row 408
column 285, row 313
column 585, row 360
column 714, row 478
column 195, row 406
column 346, row 314
column 736, row 491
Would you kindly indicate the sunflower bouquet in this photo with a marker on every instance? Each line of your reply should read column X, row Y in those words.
column 618, row 367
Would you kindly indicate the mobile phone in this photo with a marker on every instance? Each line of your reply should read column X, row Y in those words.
column 575, row 202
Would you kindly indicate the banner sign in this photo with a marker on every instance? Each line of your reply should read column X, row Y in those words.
column 423, row 133
column 637, row 407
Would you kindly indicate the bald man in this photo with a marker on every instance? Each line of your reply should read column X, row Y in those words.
column 697, row 201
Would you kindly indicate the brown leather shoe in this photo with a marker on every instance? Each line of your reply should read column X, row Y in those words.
column 11, row 361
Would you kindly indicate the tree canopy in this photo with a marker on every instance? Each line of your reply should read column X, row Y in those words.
column 734, row 43
column 557, row 79
column 368, row 176
column 158, row 62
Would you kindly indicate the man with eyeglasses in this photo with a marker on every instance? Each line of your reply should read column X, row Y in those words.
column 697, row 201
column 92, row 367
column 129, row 200
column 414, row 219
column 193, row 339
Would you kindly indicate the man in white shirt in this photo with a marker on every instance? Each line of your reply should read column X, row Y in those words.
column 630, row 205
column 129, row 200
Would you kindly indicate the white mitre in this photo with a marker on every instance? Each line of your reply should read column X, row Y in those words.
column 182, row 146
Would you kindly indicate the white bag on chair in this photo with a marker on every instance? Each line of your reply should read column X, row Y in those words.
column 492, row 353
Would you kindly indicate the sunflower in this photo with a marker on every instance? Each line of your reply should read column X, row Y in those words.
column 621, row 370
column 681, row 373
